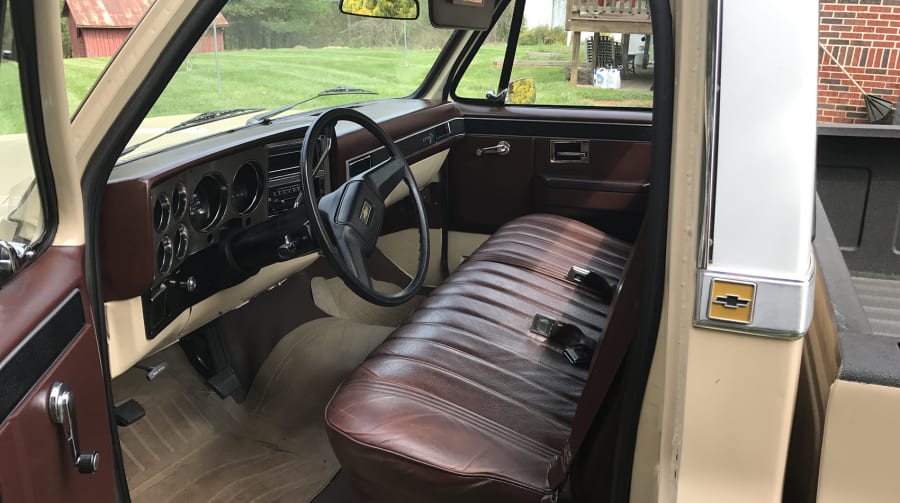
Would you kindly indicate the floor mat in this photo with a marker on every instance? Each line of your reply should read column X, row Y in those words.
column 194, row 447
column 339, row 490
column 335, row 298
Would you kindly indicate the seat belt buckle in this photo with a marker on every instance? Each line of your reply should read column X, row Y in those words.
column 592, row 281
column 545, row 326
column 579, row 356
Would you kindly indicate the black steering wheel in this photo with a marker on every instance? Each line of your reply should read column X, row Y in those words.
column 346, row 222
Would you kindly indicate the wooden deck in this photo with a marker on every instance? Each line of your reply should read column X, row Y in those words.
column 606, row 16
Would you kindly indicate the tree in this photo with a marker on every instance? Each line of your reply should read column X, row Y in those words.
column 64, row 29
column 280, row 23
column 394, row 9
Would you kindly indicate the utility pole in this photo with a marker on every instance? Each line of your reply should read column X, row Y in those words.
column 216, row 51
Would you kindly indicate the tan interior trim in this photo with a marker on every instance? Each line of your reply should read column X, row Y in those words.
column 66, row 174
column 658, row 449
column 402, row 249
column 645, row 468
column 436, row 91
column 425, row 172
column 861, row 444
column 128, row 343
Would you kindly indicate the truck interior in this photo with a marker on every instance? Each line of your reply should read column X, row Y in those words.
column 460, row 291
column 424, row 297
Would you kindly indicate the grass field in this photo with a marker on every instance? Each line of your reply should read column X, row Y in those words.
column 273, row 77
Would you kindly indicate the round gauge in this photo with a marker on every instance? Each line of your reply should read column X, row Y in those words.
column 164, row 256
column 179, row 200
column 207, row 204
column 247, row 188
column 182, row 240
column 162, row 211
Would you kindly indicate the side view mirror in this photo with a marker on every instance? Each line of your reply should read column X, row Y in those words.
column 521, row 92
column 386, row 9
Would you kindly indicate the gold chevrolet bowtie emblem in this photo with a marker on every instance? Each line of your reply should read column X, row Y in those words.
column 731, row 301
column 366, row 212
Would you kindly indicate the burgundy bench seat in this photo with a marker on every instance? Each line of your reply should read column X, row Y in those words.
column 463, row 402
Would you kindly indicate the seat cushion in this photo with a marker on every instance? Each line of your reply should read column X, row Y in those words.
column 463, row 402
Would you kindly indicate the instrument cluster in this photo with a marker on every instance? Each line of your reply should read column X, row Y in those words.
column 197, row 207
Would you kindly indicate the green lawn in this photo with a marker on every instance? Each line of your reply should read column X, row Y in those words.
column 273, row 77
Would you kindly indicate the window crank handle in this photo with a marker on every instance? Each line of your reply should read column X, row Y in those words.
column 61, row 405
column 501, row 148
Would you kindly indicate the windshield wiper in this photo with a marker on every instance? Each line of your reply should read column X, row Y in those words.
column 266, row 118
column 197, row 120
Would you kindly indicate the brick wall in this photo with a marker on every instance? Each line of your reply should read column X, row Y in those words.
column 864, row 35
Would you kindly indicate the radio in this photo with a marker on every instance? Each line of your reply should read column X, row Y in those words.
column 283, row 197
column 284, row 177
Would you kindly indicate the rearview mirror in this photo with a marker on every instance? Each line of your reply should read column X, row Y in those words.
column 521, row 92
column 387, row 9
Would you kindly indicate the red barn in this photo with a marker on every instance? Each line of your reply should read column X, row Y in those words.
column 98, row 27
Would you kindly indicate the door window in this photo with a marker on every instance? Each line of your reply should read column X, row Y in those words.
column 614, row 69
column 22, row 220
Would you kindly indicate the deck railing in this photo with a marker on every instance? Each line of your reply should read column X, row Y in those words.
column 590, row 8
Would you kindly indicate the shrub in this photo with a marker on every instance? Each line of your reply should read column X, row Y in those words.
column 542, row 35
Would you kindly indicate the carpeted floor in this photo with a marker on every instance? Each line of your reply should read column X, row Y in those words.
column 333, row 297
column 195, row 447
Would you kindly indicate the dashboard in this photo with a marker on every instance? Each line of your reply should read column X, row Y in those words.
column 180, row 225
column 212, row 226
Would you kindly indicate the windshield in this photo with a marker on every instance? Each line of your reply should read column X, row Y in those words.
column 258, row 56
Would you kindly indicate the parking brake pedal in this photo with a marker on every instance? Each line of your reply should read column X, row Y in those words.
column 129, row 412
column 154, row 371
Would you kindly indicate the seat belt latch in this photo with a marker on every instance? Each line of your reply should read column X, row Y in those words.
column 577, row 347
column 592, row 281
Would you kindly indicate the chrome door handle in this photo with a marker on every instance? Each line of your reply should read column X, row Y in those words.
column 501, row 148
column 61, row 405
